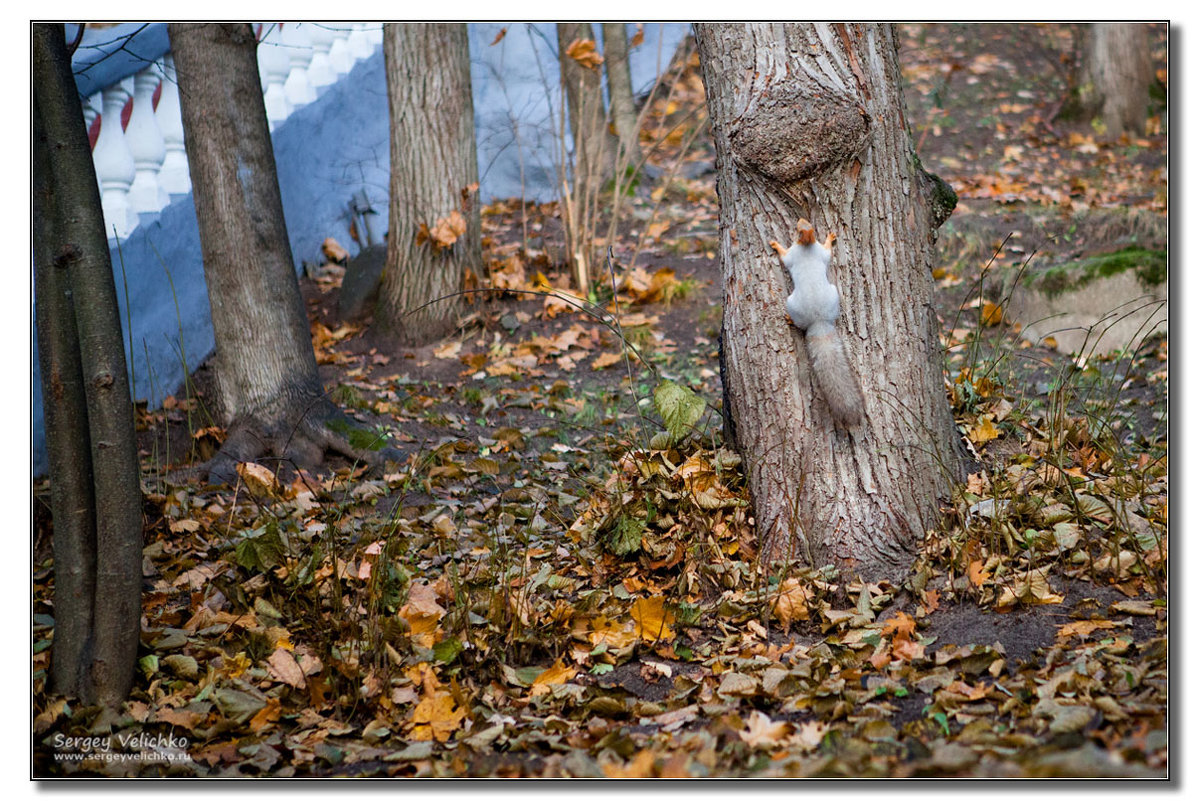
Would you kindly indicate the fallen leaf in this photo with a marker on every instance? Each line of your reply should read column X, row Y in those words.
column 283, row 667
column 583, row 51
column 653, row 619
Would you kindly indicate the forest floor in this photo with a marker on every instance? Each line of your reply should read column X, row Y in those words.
column 533, row 591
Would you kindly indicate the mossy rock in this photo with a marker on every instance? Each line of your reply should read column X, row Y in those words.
column 1107, row 302
column 1149, row 266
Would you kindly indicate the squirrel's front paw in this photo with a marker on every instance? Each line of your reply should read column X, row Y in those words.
column 779, row 249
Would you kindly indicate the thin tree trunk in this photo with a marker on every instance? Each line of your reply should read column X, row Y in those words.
column 808, row 122
column 270, row 389
column 620, row 91
column 593, row 148
column 1119, row 69
column 96, row 492
column 434, row 234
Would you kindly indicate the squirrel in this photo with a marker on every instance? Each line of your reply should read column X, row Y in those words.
column 813, row 306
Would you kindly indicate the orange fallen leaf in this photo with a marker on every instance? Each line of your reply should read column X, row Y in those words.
column 583, row 51
column 258, row 479
column 653, row 619
column 436, row 717
column 556, row 674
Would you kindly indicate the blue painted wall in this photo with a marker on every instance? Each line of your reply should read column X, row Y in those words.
column 324, row 153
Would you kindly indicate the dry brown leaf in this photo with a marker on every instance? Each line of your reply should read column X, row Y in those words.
column 792, row 602
column 258, row 479
column 283, row 667
column 333, row 251
column 583, row 51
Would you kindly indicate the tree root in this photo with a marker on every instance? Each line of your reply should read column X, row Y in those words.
column 295, row 437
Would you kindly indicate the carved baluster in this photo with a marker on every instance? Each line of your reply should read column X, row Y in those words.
column 274, row 64
column 361, row 44
column 145, row 145
column 174, row 178
column 114, row 164
column 320, row 71
column 340, row 57
column 299, row 52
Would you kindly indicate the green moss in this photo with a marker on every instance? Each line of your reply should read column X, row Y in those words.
column 345, row 395
column 1151, row 269
column 359, row 438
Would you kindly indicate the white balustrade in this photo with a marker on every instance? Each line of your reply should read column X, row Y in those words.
column 320, row 71
column 340, row 57
column 139, row 166
column 175, row 177
column 146, row 145
column 297, row 45
column 114, row 164
column 274, row 64
column 361, row 44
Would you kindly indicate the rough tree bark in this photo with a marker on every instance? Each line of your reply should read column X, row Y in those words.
column 270, row 389
column 593, row 147
column 621, row 108
column 95, row 488
column 808, row 121
column 434, row 231
column 1117, row 72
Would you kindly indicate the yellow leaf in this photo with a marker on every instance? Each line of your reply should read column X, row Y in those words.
column 266, row 716
column 583, row 51
column 656, row 229
column 903, row 626
column 445, row 232
column 423, row 613
column 761, row 730
column 1032, row 588
column 792, row 602
column 258, row 479
column 1082, row 628
column 606, row 360
column 985, row 431
column 992, row 313
column 610, row 633
column 977, row 574
column 436, row 717
column 641, row 766
column 557, row 674
column 653, row 619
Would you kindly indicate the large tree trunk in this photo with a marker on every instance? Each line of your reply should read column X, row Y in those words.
column 1118, row 70
column 95, row 488
column 434, row 232
column 620, row 92
column 270, row 390
column 809, row 122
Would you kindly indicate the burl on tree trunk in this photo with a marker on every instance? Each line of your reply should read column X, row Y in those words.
column 808, row 122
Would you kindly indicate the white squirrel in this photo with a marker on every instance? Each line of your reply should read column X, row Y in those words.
column 813, row 306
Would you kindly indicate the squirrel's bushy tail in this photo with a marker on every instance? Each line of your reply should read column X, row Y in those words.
column 833, row 373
